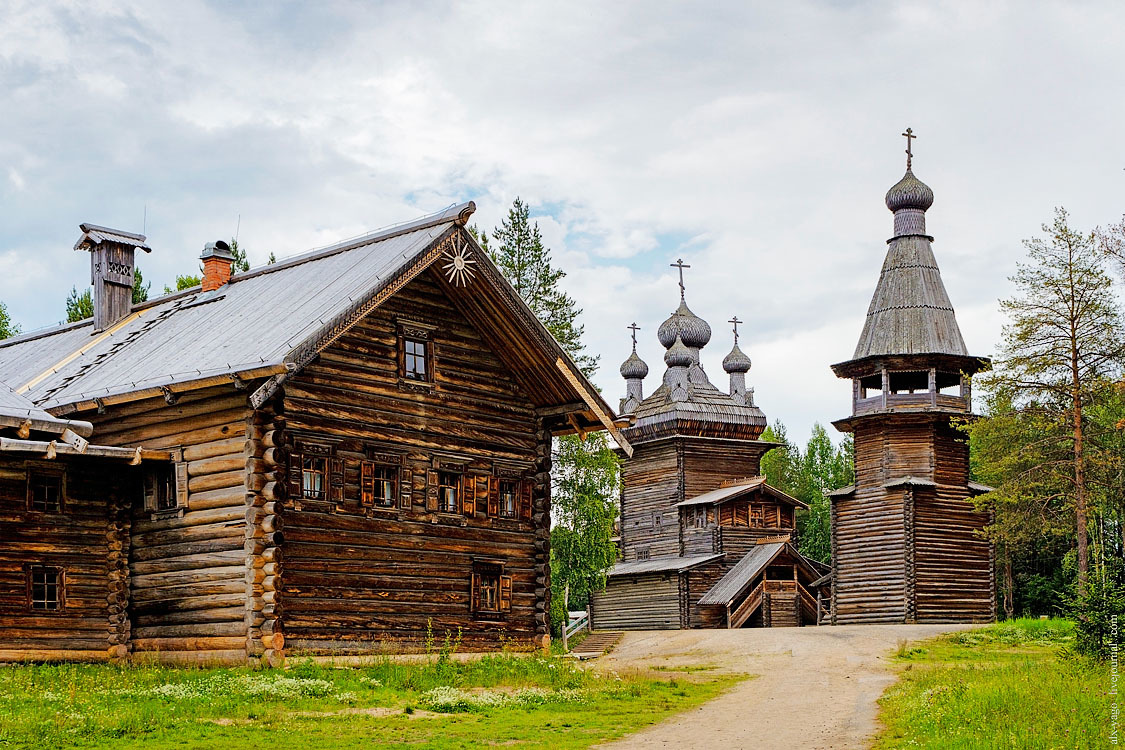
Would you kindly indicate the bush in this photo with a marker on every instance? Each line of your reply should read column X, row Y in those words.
column 1098, row 612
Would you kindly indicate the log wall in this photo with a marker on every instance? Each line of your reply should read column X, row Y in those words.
column 87, row 540
column 952, row 559
column 652, row 483
column 362, row 579
column 187, row 572
column 646, row 602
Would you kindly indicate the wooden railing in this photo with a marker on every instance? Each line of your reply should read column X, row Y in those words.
column 921, row 400
column 577, row 625
column 743, row 611
column 780, row 587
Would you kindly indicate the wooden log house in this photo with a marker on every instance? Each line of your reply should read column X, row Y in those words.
column 64, row 527
column 906, row 539
column 704, row 540
column 359, row 442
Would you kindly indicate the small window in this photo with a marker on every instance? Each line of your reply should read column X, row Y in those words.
column 313, row 477
column 415, row 359
column 378, row 484
column 508, row 492
column 45, row 589
column 160, row 487
column 447, row 491
column 45, row 491
column 491, row 591
column 643, row 553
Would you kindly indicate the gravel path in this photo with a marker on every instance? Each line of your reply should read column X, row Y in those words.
column 816, row 686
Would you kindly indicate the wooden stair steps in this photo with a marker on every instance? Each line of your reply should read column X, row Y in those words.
column 596, row 644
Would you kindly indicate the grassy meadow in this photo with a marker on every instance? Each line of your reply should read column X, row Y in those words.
column 533, row 701
column 1011, row 685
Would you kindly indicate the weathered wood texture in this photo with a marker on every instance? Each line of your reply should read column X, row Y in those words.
column 911, row 552
column 362, row 579
column 696, row 583
column 187, row 573
column 87, row 541
column 649, row 602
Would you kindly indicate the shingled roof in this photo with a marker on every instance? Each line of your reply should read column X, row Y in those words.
column 271, row 322
column 910, row 312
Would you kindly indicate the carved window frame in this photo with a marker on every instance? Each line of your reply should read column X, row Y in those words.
column 416, row 333
column 165, row 487
column 57, row 475
column 490, row 590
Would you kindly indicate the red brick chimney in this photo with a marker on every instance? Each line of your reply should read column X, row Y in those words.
column 217, row 261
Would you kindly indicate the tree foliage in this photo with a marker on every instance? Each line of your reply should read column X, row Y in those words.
column 1062, row 349
column 8, row 327
column 808, row 476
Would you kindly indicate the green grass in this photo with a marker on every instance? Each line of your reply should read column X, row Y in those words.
column 533, row 701
column 1011, row 685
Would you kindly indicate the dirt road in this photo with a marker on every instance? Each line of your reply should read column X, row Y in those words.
column 816, row 687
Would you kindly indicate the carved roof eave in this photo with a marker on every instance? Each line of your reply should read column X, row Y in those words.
column 855, row 368
column 694, row 425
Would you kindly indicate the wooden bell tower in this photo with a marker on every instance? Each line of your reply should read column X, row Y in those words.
column 906, row 539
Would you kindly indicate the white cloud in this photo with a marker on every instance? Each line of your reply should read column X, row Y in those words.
column 755, row 140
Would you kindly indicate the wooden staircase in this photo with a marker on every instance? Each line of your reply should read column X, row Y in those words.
column 596, row 644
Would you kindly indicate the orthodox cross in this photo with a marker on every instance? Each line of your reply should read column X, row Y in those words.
column 634, row 328
column 736, row 321
column 909, row 137
column 680, row 265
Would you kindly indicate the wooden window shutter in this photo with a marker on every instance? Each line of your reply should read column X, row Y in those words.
column 505, row 593
column 483, row 493
column 406, row 488
column 367, row 483
column 467, row 494
column 180, row 482
column 336, row 473
column 150, row 490
column 475, row 597
column 525, row 499
column 296, row 462
column 494, row 496
column 431, row 491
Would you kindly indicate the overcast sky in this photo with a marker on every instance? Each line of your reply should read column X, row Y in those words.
column 755, row 140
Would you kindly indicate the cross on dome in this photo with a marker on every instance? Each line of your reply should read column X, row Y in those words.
column 680, row 265
column 736, row 321
column 909, row 156
column 634, row 328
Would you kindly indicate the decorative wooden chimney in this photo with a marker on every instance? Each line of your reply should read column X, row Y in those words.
column 906, row 541
column 111, row 270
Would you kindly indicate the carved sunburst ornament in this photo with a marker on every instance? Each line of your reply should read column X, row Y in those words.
column 459, row 267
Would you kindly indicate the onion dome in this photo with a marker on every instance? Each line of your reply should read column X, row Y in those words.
column 910, row 192
column 634, row 367
column 678, row 355
column 736, row 361
column 692, row 330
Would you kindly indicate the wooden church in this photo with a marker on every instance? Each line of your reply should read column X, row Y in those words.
column 704, row 540
column 333, row 454
column 907, row 542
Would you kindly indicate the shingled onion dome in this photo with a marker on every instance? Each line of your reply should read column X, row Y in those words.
column 678, row 355
column 909, row 198
column 634, row 367
column 692, row 330
column 736, row 361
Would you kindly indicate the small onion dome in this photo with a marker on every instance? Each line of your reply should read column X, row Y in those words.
column 678, row 355
column 910, row 192
column 736, row 361
column 691, row 329
column 634, row 367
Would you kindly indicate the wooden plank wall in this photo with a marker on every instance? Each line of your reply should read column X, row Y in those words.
column 868, row 538
column 85, row 540
column 358, row 580
column 708, row 463
column 648, row 602
column 952, row 560
column 188, row 574
column 651, row 485
column 699, row 581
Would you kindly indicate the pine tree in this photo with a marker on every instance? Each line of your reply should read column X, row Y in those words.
column 7, row 327
column 520, row 255
column 81, row 306
column 1062, row 348
column 241, row 263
